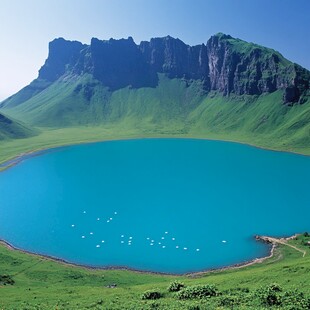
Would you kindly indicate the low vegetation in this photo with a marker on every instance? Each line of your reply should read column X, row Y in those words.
column 12, row 129
column 40, row 283
column 198, row 292
column 175, row 286
column 6, row 280
column 151, row 294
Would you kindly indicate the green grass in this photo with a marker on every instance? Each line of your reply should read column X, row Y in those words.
column 261, row 121
column 132, row 113
column 59, row 137
column 85, row 101
column 41, row 283
column 173, row 108
column 11, row 129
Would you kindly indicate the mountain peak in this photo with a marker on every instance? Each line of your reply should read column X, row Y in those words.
column 225, row 64
column 62, row 53
column 222, row 36
column 166, row 86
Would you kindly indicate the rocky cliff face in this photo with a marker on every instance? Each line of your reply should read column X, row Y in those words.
column 117, row 64
column 176, row 59
column 242, row 68
column 224, row 64
column 62, row 56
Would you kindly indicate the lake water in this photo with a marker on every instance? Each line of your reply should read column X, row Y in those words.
column 166, row 205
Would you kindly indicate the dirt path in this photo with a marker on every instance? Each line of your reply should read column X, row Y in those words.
column 282, row 241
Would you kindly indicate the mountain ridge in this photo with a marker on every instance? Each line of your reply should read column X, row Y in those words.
column 224, row 64
column 226, row 87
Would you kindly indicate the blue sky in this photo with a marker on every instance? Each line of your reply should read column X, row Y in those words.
column 28, row 25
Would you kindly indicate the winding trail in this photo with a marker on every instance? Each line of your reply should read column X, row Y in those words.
column 282, row 241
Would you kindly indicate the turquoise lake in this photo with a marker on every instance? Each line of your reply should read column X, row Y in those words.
column 164, row 205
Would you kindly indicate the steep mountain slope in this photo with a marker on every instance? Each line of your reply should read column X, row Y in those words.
column 10, row 129
column 227, row 86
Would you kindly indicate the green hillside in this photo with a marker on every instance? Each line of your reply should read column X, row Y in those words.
column 26, row 93
column 173, row 108
column 85, row 101
column 225, row 89
column 11, row 129
column 264, row 120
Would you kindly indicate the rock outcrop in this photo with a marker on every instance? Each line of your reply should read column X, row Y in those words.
column 244, row 68
column 224, row 64
column 62, row 57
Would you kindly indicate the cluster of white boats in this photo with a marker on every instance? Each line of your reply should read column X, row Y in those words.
column 162, row 242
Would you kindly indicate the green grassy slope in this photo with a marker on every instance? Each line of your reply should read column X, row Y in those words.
column 11, row 129
column 263, row 120
column 44, row 284
column 72, row 102
column 74, row 111
column 26, row 93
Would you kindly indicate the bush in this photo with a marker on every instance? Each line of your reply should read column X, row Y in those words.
column 6, row 279
column 228, row 301
column 270, row 295
column 154, row 305
column 296, row 300
column 193, row 307
column 198, row 291
column 175, row 286
column 151, row 294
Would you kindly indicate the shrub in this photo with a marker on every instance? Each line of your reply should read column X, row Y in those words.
column 154, row 305
column 270, row 295
column 151, row 294
column 228, row 301
column 175, row 286
column 198, row 291
column 6, row 279
column 296, row 300
column 193, row 307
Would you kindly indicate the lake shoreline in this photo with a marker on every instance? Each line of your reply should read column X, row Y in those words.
column 244, row 264
column 11, row 162
column 30, row 154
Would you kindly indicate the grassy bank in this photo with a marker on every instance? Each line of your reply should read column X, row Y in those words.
column 172, row 109
column 41, row 283
column 49, row 138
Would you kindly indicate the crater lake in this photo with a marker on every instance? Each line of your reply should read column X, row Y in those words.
column 161, row 205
